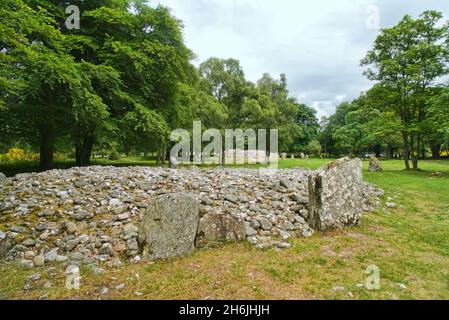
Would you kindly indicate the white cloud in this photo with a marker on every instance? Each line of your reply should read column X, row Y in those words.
column 318, row 44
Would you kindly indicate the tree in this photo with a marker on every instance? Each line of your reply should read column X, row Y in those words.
column 439, row 121
column 85, row 83
column 314, row 147
column 46, row 90
column 407, row 60
column 307, row 120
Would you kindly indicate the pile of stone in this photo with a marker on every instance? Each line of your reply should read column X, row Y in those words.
column 107, row 215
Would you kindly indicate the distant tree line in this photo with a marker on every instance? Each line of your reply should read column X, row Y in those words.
column 406, row 113
column 122, row 82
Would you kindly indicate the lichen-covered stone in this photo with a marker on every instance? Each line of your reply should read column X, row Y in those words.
column 335, row 195
column 215, row 228
column 169, row 226
column 375, row 165
column 6, row 244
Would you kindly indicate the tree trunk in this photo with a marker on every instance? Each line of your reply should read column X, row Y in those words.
column 159, row 157
column 415, row 152
column 406, row 150
column 436, row 151
column 415, row 163
column 390, row 152
column 83, row 150
column 46, row 152
column 378, row 150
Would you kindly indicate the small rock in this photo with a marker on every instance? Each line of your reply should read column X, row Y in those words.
column 120, row 286
column 106, row 249
column 136, row 260
column 39, row 261
column 283, row 245
column 402, row 286
column 104, row 290
column 28, row 243
column 29, row 255
column 27, row 264
column 132, row 244
column 71, row 228
column 114, row 203
column 264, row 245
column 265, row 223
column 130, row 229
column 51, row 255
column 61, row 258
column 124, row 216
column 250, row 231
column 44, row 236
column 285, row 183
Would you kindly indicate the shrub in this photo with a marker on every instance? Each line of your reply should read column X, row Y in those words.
column 15, row 154
column 314, row 148
column 114, row 156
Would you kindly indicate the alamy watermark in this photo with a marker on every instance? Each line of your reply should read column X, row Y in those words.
column 240, row 146
column 373, row 278
column 373, row 17
column 73, row 20
column 73, row 278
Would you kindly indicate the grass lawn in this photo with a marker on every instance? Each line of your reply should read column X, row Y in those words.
column 409, row 244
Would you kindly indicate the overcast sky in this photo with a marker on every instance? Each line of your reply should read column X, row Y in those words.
column 318, row 43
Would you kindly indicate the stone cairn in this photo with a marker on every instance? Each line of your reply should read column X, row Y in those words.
column 106, row 215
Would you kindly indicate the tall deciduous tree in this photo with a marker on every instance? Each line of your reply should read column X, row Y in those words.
column 408, row 59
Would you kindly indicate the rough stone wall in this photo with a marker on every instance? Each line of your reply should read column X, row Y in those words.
column 336, row 195
column 92, row 215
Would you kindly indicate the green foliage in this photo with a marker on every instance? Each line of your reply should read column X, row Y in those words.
column 114, row 156
column 314, row 148
column 123, row 81
column 406, row 60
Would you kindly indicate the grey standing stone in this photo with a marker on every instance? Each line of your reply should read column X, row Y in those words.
column 169, row 226
column 375, row 165
column 335, row 193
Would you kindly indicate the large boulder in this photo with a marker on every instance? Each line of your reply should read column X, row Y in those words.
column 375, row 165
column 335, row 195
column 215, row 228
column 169, row 226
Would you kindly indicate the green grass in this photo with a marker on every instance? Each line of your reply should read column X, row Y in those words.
column 409, row 244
